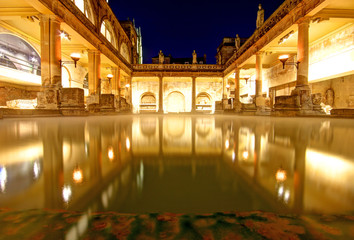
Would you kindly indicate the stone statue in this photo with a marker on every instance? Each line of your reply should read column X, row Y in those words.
column 161, row 57
column 260, row 16
column 194, row 57
column 237, row 42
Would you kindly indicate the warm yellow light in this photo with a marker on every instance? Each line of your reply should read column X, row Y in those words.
column 245, row 155
column 283, row 57
column 109, row 76
column 127, row 144
column 77, row 175
column 227, row 85
column 227, row 144
column 280, row 175
column 110, row 153
column 75, row 56
column 127, row 85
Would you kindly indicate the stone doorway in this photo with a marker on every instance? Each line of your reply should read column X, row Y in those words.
column 176, row 102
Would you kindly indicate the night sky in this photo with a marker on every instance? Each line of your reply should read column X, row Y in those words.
column 179, row 27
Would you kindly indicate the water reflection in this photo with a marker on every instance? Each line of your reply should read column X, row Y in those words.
column 178, row 164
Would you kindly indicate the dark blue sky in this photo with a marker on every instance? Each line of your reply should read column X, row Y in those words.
column 179, row 27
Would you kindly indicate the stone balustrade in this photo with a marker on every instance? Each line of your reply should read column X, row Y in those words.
column 178, row 67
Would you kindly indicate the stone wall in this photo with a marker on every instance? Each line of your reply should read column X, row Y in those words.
column 343, row 91
column 8, row 93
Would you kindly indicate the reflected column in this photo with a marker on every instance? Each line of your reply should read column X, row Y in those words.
column 299, row 177
column 53, row 166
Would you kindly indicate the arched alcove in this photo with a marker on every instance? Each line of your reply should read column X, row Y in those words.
column 148, row 102
column 204, row 102
column 124, row 51
column 175, row 102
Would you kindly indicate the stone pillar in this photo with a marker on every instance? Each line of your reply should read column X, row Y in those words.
column 302, row 90
column 114, row 80
column 94, row 67
column 303, row 53
column 237, row 103
column 49, row 97
column 193, row 94
column 161, row 94
column 119, row 89
column 260, row 100
column 224, row 90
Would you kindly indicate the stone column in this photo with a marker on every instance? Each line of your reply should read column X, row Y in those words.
column 193, row 94
column 114, row 80
column 260, row 101
column 160, row 94
column 237, row 103
column 119, row 89
column 49, row 97
column 94, row 67
column 302, row 90
column 303, row 53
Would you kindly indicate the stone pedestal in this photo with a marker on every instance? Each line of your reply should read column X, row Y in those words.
column 107, row 103
column 72, row 101
column 48, row 98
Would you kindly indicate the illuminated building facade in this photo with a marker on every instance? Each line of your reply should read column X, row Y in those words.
column 74, row 55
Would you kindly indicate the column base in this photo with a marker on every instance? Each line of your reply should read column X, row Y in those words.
column 49, row 98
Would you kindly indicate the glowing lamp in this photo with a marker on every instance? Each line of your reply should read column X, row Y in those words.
column 75, row 57
column 127, row 85
column 227, row 144
column 109, row 76
column 280, row 175
column 246, row 77
column 284, row 58
column 78, row 175
column 227, row 85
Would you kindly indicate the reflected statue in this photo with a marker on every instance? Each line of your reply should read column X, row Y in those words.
column 161, row 57
column 260, row 16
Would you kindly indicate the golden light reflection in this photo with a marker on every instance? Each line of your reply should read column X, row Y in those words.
column 245, row 155
column 110, row 153
column 280, row 175
column 78, row 175
column 66, row 193
column 227, row 144
column 3, row 179
column 127, row 144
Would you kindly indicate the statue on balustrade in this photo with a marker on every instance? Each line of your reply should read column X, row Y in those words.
column 260, row 16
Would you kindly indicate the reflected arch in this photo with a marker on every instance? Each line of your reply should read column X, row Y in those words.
column 176, row 102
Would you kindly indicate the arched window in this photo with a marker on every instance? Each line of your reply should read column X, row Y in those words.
column 124, row 51
column 107, row 31
column 85, row 8
column 18, row 54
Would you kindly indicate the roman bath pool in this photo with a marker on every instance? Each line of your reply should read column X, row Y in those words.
column 180, row 164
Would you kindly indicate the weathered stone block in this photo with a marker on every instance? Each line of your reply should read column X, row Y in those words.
column 107, row 102
column 72, row 98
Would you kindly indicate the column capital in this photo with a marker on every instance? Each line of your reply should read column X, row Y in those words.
column 260, row 53
column 304, row 20
column 52, row 17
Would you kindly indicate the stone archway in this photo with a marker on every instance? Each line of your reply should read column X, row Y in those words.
column 176, row 102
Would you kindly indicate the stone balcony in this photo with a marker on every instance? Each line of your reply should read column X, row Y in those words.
column 178, row 68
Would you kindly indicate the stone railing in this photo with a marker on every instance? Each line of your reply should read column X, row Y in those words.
column 278, row 14
column 178, row 67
